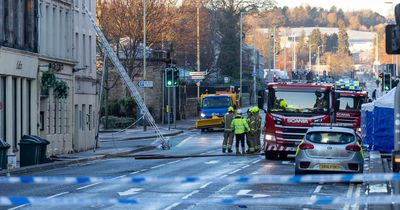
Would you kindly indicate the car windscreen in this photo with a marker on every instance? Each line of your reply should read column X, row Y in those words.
column 216, row 102
column 298, row 101
column 350, row 103
column 330, row 137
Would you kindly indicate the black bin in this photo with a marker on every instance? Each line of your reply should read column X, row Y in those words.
column 30, row 150
column 43, row 149
column 4, row 146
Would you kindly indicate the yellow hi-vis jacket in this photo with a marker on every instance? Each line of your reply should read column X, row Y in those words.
column 239, row 125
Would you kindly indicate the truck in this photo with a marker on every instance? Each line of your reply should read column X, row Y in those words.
column 291, row 109
column 349, row 103
column 213, row 108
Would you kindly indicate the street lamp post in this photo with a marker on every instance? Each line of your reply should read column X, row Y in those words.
column 254, row 64
column 241, row 57
column 144, row 57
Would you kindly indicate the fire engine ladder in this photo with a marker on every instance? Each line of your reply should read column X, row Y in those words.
column 128, row 82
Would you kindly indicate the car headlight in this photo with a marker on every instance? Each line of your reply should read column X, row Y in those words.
column 359, row 130
column 202, row 115
column 270, row 137
column 277, row 121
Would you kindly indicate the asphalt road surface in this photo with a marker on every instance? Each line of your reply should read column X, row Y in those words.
column 181, row 196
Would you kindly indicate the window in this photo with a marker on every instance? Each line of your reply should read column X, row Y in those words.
column 330, row 137
column 90, row 118
column 83, row 50
column 84, row 117
column 90, row 53
column 76, row 48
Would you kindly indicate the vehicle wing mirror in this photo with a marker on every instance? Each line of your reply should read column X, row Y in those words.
column 369, row 100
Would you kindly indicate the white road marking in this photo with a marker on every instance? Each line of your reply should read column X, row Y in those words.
column 176, row 161
column 118, row 177
column 349, row 194
column 378, row 188
column 190, row 194
column 135, row 172
column 245, row 166
column 312, row 199
column 212, row 162
column 254, row 162
column 254, row 173
column 18, row 207
column 132, row 191
column 183, row 141
column 246, row 193
column 143, row 170
column 158, row 166
column 172, row 206
column 318, row 189
column 87, row 186
column 223, row 176
column 56, row 195
column 357, row 195
column 234, row 171
column 186, row 158
column 205, row 185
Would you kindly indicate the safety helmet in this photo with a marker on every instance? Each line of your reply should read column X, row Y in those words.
column 231, row 109
column 255, row 109
column 239, row 112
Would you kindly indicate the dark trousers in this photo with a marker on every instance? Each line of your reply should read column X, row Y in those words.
column 240, row 138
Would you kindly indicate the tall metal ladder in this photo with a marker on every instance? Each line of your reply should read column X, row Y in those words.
column 128, row 82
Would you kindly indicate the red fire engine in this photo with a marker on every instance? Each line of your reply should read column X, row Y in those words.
column 291, row 110
column 350, row 106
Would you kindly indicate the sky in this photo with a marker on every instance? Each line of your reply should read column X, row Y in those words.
column 376, row 5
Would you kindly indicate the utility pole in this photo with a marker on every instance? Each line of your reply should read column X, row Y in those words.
column 274, row 47
column 241, row 58
column 284, row 52
column 144, row 58
column 309, row 57
column 198, row 50
column 294, row 53
column 254, row 64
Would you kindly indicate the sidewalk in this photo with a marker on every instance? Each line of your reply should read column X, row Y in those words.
column 112, row 142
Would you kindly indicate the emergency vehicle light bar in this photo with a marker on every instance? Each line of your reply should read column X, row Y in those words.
column 345, row 125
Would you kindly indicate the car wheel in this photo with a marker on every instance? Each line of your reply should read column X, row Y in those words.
column 271, row 155
column 298, row 172
column 203, row 130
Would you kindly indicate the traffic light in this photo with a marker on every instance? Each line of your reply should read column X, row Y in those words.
column 176, row 78
column 171, row 77
column 168, row 77
column 387, row 80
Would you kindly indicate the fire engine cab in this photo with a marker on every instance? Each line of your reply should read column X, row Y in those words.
column 350, row 101
column 292, row 108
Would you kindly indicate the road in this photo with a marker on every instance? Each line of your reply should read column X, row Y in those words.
column 181, row 196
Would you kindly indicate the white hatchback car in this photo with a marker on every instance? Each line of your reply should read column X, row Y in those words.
column 329, row 149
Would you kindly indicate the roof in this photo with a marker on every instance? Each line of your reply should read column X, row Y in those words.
column 300, row 85
column 331, row 129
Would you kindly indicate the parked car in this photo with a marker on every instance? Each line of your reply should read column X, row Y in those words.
column 329, row 149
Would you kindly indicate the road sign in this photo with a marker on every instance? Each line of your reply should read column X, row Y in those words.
column 226, row 79
column 145, row 84
column 253, row 74
column 198, row 73
column 198, row 77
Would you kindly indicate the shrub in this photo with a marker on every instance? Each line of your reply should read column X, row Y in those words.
column 117, row 122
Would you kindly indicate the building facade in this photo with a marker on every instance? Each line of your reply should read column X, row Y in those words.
column 85, row 91
column 18, row 70
column 67, row 50
column 55, row 49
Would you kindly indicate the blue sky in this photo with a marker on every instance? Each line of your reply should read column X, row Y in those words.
column 375, row 5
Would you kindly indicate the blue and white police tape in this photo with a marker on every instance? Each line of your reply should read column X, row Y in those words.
column 269, row 201
column 267, row 179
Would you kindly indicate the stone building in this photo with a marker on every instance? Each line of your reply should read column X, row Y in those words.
column 18, row 70
column 67, row 49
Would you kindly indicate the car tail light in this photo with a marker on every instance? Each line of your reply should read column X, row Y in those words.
column 305, row 145
column 353, row 147
column 304, row 164
column 353, row 166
